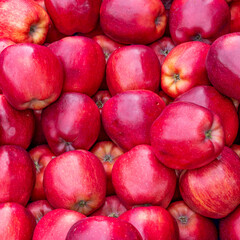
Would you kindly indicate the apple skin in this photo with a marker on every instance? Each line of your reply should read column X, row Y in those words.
column 134, row 22
column 209, row 97
column 152, row 222
column 39, row 209
column 37, row 77
column 41, row 156
column 136, row 172
column 33, row 18
column 184, row 68
column 103, row 228
column 213, row 190
column 235, row 16
column 187, row 136
column 16, row 222
column 72, row 16
column 222, row 65
column 165, row 97
column 112, row 207
column 236, row 149
column 129, row 112
column 17, row 127
column 72, row 122
column 5, row 42
column 83, row 62
column 192, row 225
column 198, row 21
column 56, row 224
column 133, row 67
column 107, row 152
column 17, row 175
column 229, row 227
column 82, row 184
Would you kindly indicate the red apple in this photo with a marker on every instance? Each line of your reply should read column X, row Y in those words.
column 71, row 16
column 5, row 42
column 167, row 3
column 187, row 136
column 95, row 32
column 184, row 68
column 140, row 179
column 235, row 16
column 23, row 21
column 152, row 222
column 129, row 113
column 17, row 175
column 222, row 65
column 236, row 149
column 103, row 228
column 213, row 190
column 37, row 77
column 112, row 207
column 72, row 122
column 208, row 97
column 56, row 224
column 165, row 97
column 107, row 152
column 41, row 156
column 75, row 180
column 198, row 20
column 83, row 62
column 134, row 22
column 16, row 127
column 132, row 68
column 16, row 222
column 39, row 209
column 192, row 225
column 177, row 195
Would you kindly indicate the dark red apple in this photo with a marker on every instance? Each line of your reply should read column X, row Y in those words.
column 37, row 77
column 56, row 224
column 192, row 225
column 133, row 67
column 235, row 16
column 198, row 20
column 107, row 152
column 140, row 179
column 213, row 190
column 187, row 136
column 72, row 122
column 129, row 113
column 5, row 42
column 152, row 222
column 103, row 228
column 134, row 22
column 75, row 180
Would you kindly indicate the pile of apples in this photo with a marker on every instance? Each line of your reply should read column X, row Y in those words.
column 119, row 120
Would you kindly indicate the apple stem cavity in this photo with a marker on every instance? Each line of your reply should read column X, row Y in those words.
column 183, row 219
column 158, row 20
column 32, row 29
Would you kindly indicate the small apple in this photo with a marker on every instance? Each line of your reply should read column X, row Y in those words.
column 235, row 16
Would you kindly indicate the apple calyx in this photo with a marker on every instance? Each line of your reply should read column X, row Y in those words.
column 107, row 158
column 208, row 134
column 79, row 206
column 37, row 166
column 183, row 219
column 197, row 37
column 114, row 214
column 106, row 55
column 176, row 77
column 164, row 52
column 99, row 104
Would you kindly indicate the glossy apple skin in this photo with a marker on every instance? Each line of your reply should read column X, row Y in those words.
column 107, row 152
column 187, row 136
column 16, row 222
column 162, row 47
column 235, row 16
column 184, row 68
column 152, row 222
column 41, row 156
column 137, row 22
column 83, row 72
column 229, row 227
column 209, row 97
column 136, row 172
column 112, row 207
column 33, row 18
column 56, row 224
column 71, row 16
column 37, row 77
column 5, row 42
column 200, row 21
column 222, row 65
column 39, row 209
column 133, row 67
column 17, row 175
column 82, row 184
column 236, row 149
column 129, row 112
column 17, row 127
column 72, row 122
column 213, row 190
column 103, row 228
column 192, row 225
